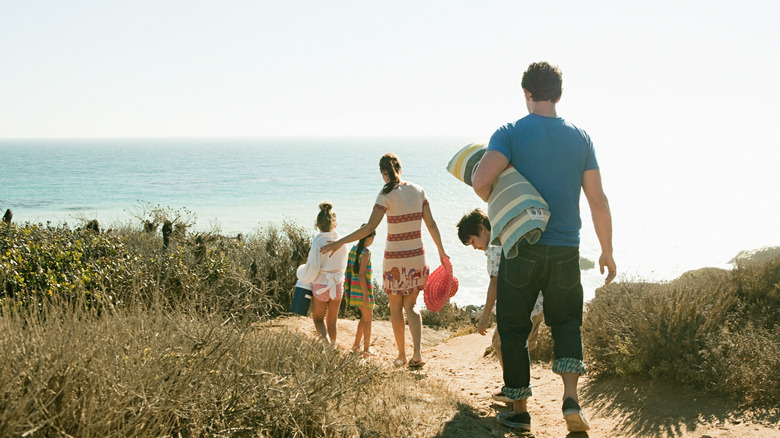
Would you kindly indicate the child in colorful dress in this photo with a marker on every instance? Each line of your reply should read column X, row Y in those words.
column 474, row 230
column 325, row 275
column 357, row 287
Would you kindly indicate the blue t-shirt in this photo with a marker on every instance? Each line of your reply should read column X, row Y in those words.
column 552, row 154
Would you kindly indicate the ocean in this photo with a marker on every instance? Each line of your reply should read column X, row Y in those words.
column 240, row 185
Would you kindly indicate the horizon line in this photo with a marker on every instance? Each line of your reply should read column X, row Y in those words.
column 146, row 137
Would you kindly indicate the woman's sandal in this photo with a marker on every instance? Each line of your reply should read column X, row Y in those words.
column 416, row 363
column 399, row 363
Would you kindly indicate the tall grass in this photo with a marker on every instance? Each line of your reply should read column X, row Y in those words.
column 714, row 329
column 151, row 372
column 112, row 334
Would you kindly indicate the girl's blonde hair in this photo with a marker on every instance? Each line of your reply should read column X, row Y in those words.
column 326, row 218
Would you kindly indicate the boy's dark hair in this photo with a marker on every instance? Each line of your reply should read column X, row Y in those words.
column 544, row 81
column 469, row 225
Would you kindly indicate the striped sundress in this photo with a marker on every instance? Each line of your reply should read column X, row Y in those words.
column 352, row 289
column 404, row 270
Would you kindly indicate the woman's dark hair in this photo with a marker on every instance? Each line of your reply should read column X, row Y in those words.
column 469, row 225
column 326, row 218
column 390, row 164
column 361, row 244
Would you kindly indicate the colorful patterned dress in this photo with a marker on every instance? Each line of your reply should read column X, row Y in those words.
column 352, row 289
column 404, row 268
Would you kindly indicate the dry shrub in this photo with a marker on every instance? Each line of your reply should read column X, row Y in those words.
column 134, row 372
column 134, row 339
column 742, row 359
column 744, row 352
column 543, row 351
column 128, row 373
column 453, row 318
column 712, row 328
column 381, row 306
column 272, row 256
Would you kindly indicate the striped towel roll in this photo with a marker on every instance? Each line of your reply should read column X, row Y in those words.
column 462, row 165
column 515, row 209
column 516, row 212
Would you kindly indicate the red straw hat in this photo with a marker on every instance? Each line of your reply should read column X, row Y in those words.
column 441, row 285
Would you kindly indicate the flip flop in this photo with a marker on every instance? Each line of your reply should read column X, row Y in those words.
column 398, row 363
column 416, row 363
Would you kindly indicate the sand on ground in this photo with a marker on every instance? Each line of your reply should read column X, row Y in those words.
column 616, row 408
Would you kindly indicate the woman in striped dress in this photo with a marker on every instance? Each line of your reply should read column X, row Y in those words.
column 404, row 270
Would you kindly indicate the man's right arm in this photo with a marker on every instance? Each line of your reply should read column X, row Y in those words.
column 490, row 166
column 602, row 220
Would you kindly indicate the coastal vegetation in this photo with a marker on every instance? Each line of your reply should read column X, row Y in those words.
column 715, row 329
column 114, row 333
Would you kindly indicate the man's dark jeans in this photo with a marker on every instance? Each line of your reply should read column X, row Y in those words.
column 555, row 271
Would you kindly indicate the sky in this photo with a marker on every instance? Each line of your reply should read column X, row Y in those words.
column 680, row 97
column 406, row 68
column 664, row 88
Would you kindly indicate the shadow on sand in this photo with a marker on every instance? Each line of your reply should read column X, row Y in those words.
column 468, row 422
column 644, row 408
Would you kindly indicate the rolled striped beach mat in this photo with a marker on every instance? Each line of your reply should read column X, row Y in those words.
column 462, row 165
column 516, row 210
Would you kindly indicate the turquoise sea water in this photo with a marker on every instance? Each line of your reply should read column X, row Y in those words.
column 240, row 185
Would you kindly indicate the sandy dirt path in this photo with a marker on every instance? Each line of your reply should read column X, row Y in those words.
column 616, row 408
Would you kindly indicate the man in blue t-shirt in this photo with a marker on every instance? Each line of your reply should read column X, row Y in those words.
column 558, row 159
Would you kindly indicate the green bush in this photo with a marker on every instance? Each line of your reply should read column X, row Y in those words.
column 38, row 262
column 251, row 276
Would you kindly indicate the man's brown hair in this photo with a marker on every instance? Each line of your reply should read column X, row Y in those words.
column 543, row 81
